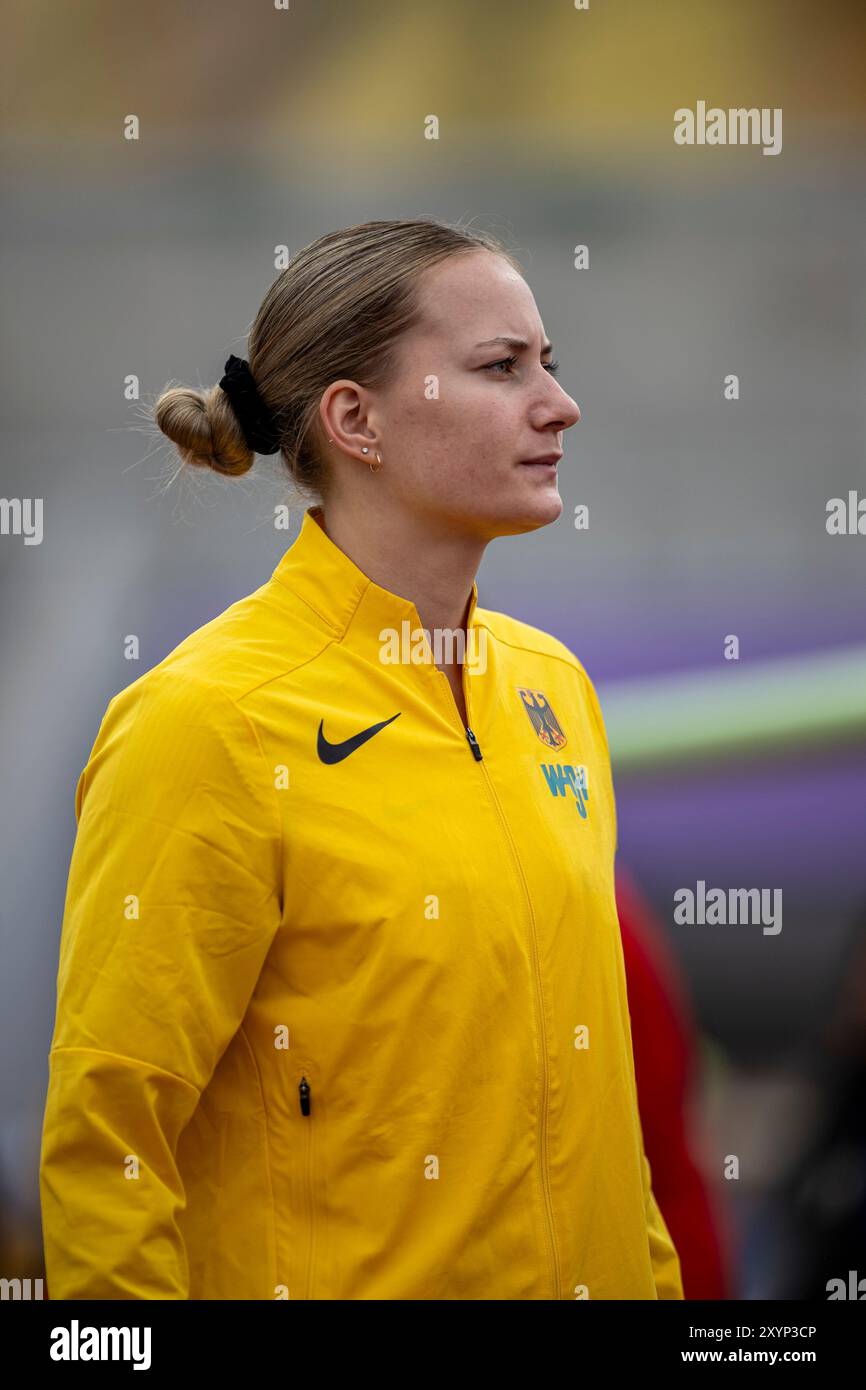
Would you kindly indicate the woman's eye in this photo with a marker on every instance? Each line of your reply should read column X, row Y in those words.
column 552, row 367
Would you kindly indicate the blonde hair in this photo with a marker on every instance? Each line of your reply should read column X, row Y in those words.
column 338, row 310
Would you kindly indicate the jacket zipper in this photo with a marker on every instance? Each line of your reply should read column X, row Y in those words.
column 305, row 1102
column 470, row 737
column 473, row 744
column 553, row 1254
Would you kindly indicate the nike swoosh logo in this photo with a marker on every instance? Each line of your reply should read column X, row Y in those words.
column 336, row 752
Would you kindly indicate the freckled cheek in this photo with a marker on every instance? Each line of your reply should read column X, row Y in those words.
column 475, row 420
column 459, row 422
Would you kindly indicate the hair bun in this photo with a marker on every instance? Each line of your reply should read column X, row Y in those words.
column 205, row 429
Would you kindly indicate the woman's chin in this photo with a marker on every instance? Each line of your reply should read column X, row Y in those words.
column 528, row 511
column 543, row 504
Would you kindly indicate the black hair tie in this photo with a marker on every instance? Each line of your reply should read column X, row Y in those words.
column 255, row 419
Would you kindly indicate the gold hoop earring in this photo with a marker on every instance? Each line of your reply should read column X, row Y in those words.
column 373, row 468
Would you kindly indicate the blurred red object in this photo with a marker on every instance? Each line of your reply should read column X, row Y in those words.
column 664, row 1039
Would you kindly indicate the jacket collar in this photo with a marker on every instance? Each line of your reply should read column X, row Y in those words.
column 321, row 574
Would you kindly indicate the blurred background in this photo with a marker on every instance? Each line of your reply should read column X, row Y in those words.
column 263, row 126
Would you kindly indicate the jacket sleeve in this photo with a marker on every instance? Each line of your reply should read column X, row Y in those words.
column 663, row 1256
column 173, row 899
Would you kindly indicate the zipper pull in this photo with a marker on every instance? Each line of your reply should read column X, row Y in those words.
column 304, row 1088
column 473, row 744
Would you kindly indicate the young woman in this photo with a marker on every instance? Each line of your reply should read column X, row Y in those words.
column 342, row 1010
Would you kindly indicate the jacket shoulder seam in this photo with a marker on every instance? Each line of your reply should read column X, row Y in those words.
column 570, row 660
column 280, row 675
column 332, row 627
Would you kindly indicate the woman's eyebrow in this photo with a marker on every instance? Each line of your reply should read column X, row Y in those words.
column 518, row 344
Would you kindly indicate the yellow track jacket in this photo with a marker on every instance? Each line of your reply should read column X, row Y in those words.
column 341, row 1003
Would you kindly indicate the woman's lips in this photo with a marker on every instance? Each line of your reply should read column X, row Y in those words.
column 544, row 461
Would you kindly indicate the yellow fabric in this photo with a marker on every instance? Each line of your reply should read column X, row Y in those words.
column 428, row 941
